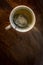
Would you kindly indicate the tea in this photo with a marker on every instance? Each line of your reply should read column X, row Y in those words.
column 22, row 18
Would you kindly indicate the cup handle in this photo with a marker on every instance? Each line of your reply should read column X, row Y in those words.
column 8, row 27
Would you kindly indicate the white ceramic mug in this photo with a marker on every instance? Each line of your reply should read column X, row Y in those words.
column 12, row 23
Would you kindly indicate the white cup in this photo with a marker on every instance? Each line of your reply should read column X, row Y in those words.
column 17, row 28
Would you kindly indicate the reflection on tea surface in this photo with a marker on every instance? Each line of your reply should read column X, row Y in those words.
column 20, row 21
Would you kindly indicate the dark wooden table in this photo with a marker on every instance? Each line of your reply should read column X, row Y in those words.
column 21, row 48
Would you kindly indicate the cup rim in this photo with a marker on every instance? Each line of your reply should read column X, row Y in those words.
column 19, row 29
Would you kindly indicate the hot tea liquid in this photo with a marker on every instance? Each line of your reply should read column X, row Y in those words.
column 22, row 18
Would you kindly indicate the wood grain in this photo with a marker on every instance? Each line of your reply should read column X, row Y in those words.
column 21, row 48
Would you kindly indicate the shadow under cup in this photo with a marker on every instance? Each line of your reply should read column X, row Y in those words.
column 22, row 18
